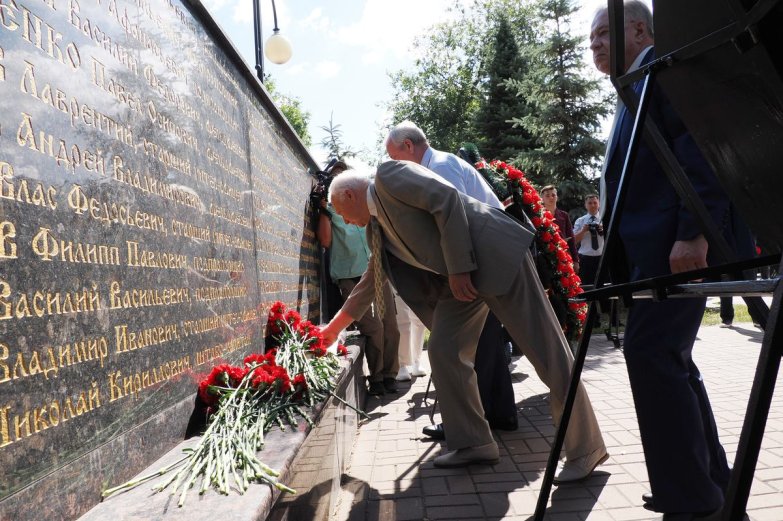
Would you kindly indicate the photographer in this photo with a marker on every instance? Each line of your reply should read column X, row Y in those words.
column 349, row 255
column 589, row 238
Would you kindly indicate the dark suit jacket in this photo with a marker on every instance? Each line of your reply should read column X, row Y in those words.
column 653, row 216
column 443, row 230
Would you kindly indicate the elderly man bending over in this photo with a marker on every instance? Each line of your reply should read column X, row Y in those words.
column 472, row 254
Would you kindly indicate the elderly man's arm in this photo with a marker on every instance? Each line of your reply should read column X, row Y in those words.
column 357, row 303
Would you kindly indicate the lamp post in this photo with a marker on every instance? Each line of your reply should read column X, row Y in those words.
column 278, row 49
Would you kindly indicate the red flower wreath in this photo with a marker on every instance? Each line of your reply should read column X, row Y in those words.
column 564, row 283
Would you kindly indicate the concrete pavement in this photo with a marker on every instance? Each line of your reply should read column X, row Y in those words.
column 391, row 476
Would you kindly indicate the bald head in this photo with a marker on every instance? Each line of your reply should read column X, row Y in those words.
column 348, row 195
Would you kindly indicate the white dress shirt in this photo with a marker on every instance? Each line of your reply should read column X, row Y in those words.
column 461, row 174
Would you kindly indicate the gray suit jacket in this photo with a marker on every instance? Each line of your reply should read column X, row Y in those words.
column 443, row 230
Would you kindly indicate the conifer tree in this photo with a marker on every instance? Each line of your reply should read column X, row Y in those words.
column 496, row 134
column 444, row 90
column 567, row 107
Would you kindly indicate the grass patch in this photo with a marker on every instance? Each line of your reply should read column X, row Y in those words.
column 712, row 315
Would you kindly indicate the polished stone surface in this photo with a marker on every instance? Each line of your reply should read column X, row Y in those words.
column 151, row 210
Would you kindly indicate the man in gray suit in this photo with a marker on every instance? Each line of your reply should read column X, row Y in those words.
column 478, row 259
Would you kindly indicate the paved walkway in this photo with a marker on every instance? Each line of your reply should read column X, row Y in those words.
column 392, row 477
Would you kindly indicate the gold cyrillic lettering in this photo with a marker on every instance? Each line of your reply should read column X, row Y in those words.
column 7, row 244
column 5, row 435
column 44, row 244
column 5, row 373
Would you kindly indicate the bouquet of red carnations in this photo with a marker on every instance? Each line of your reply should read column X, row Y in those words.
column 243, row 402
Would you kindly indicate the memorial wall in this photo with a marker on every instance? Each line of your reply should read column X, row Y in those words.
column 153, row 204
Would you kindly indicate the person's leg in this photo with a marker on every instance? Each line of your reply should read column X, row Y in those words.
column 529, row 319
column 418, row 331
column 391, row 336
column 588, row 266
column 456, row 328
column 404, row 325
column 494, row 378
column 726, row 310
column 369, row 325
column 686, row 463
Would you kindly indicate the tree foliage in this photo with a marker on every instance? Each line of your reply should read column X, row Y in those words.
column 497, row 135
column 333, row 141
column 291, row 108
column 567, row 111
column 534, row 104
column 444, row 91
column 441, row 95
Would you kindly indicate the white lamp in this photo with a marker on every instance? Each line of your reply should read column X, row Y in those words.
column 277, row 49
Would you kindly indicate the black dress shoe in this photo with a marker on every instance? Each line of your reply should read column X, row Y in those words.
column 376, row 389
column 647, row 501
column 390, row 385
column 434, row 431
column 504, row 424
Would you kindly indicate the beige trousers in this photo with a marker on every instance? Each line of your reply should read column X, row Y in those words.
column 527, row 315
column 411, row 333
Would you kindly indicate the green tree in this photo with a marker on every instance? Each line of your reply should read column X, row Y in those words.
column 496, row 134
column 444, row 91
column 333, row 141
column 441, row 95
column 567, row 107
column 291, row 108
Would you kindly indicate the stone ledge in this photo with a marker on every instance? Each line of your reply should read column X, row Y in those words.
column 306, row 458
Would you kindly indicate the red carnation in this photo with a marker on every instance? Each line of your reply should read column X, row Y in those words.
column 342, row 350
column 546, row 236
column 299, row 381
column 208, row 396
column 514, row 174
column 537, row 222
column 293, row 318
column 235, row 375
column 255, row 358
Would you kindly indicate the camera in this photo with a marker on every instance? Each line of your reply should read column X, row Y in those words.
column 323, row 179
column 595, row 228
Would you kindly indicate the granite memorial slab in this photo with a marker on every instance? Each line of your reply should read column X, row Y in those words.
column 153, row 204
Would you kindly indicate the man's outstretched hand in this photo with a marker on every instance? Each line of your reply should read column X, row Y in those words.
column 332, row 330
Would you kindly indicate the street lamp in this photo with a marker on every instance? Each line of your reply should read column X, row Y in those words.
column 277, row 49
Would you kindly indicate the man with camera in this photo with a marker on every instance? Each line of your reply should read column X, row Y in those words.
column 349, row 255
column 589, row 238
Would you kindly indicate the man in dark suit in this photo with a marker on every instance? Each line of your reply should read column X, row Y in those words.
column 477, row 258
column 686, row 463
